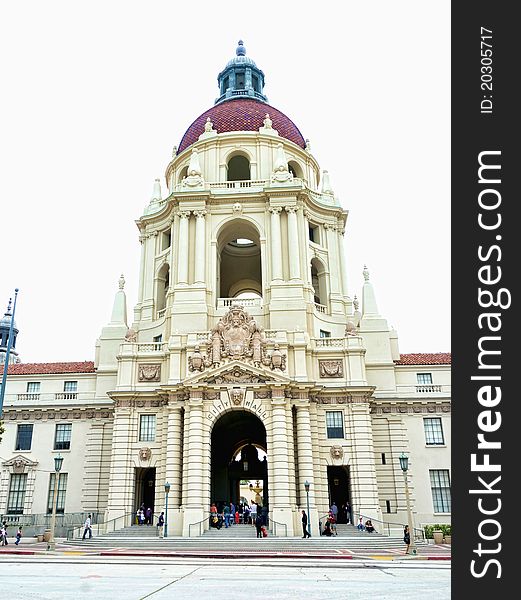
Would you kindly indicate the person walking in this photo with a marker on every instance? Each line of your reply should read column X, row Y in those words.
column 3, row 534
column 226, row 513
column 258, row 525
column 406, row 538
column 161, row 523
column 18, row 535
column 305, row 529
column 87, row 527
column 253, row 512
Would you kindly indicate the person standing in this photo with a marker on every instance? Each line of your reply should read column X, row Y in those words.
column 18, row 535
column 253, row 512
column 258, row 525
column 161, row 520
column 3, row 534
column 232, row 513
column 148, row 516
column 334, row 511
column 305, row 530
column 87, row 527
column 348, row 512
column 406, row 538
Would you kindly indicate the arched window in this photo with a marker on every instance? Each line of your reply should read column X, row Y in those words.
column 318, row 281
column 183, row 174
column 295, row 170
column 239, row 262
column 238, row 168
column 162, row 285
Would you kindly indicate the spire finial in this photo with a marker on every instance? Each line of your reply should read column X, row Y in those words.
column 121, row 282
column 356, row 304
column 240, row 50
column 8, row 312
column 366, row 273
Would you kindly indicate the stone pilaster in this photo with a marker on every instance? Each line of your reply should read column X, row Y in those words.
column 97, row 467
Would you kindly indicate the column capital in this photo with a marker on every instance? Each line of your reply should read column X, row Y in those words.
column 196, row 398
column 200, row 214
column 183, row 214
column 275, row 210
column 291, row 209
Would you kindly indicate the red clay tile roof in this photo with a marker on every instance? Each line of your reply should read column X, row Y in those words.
column 439, row 358
column 242, row 115
column 51, row 368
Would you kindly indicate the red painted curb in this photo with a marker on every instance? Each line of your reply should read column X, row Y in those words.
column 17, row 552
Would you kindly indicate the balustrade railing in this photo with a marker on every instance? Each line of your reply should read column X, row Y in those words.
column 150, row 347
column 320, row 308
column 330, row 342
column 428, row 389
column 161, row 313
column 244, row 302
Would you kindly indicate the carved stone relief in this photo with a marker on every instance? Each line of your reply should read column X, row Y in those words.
column 331, row 368
column 149, row 373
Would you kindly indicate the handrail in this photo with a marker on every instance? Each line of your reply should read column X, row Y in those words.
column 274, row 529
column 103, row 527
column 420, row 535
column 199, row 523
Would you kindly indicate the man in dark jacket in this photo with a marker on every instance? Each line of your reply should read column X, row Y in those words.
column 305, row 530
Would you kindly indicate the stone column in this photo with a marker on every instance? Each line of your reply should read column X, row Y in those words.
column 293, row 243
column 194, row 466
column 200, row 246
column 341, row 254
column 364, row 486
column 279, row 486
column 182, row 245
column 334, row 265
column 276, row 243
column 174, row 460
column 122, row 480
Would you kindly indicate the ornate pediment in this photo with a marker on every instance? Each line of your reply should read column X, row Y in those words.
column 19, row 464
column 236, row 372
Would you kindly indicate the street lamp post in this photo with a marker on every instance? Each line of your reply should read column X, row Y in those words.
column 7, row 353
column 167, row 490
column 58, row 461
column 404, row 464
column 306, row 485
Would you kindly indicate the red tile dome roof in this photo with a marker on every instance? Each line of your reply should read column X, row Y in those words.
column 242, row 114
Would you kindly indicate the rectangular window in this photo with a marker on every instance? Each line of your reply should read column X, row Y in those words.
column 62, row 489
column 24, row 437
column 325, row 334
column 166, row 240
column 384, row 462
column 62, row 439
column 424, row 378
column 433, row 431
column 313, row 234
column 440, row 487
column 33, row 387
column 147, row 428
column 334, row 424
column 16, row 497
column 388, row 506
column 70, row 386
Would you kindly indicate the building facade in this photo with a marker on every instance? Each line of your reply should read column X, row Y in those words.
column 247, row 359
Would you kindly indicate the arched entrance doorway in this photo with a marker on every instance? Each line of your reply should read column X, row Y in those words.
column 239, row 458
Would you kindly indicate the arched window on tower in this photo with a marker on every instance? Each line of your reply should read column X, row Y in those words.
column 239, row 271
column 238, row 168
column 318, row 281
column 183, row 174
column 162, row 285
column 295, row 169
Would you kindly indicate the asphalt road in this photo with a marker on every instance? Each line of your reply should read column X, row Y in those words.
column 58, row 578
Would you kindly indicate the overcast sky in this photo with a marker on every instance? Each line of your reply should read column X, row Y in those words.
column 95, row 95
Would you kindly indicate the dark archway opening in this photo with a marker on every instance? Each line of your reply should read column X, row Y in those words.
column 339, row 489
column 145, row 490
column 237, row 438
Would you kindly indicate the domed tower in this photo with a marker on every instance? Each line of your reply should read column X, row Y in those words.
column 243, row 313
column 5, row 324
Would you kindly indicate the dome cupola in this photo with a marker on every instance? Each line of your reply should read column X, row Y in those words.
column 241, row 78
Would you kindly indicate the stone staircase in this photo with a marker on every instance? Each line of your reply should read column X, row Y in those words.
column 243, row 537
